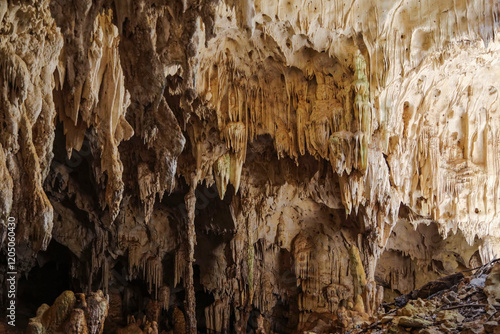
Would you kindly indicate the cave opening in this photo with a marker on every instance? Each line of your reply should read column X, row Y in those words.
column 50, row 276
column 282, row 321
column 78, row 165
column 254, row 321
column 215, row 229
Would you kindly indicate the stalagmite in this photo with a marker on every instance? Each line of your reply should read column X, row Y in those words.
column 134, row 258
column 180, row 266
column 96, row 311
column 216, row 316
column 358, row 275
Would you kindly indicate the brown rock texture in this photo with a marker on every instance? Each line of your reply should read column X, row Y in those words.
column 233, row 166
column 465, row 306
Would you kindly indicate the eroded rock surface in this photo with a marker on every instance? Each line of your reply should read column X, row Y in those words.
column 464, row 306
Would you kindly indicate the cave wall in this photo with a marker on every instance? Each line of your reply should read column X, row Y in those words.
column 272, row 159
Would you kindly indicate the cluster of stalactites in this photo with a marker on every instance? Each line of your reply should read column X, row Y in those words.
column 304, row 114
column 134, row 258
column 153, row 274
column 228, row 167
column 222, row 171
column 443, row 145
column 348, row 150
column 217, row 316
column 99, row 101
column 180, row 266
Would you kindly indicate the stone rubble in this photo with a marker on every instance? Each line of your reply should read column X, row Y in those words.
column 469, row 305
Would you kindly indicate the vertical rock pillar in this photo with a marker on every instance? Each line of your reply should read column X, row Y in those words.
column 190, row 201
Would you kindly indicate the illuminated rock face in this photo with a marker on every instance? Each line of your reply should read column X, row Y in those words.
column 263, row 160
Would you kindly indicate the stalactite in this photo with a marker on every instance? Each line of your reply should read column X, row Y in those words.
column 236, row 165
column 222, row 173
column 362, row 111
column 179, row 321
column 134, row 258
column 164, row 297
column 153, row 274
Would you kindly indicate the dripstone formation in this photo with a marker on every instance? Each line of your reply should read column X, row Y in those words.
column 245, row 166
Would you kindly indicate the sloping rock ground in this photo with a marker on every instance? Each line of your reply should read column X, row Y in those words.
column 467, row 302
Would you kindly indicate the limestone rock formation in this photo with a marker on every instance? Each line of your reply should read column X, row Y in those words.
column 230, row 166
column 464, row 306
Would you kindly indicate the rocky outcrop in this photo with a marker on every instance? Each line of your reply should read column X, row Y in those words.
column 249, row 164
column 71, row 314
column 465, row 305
